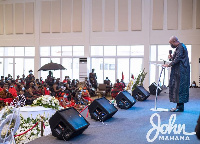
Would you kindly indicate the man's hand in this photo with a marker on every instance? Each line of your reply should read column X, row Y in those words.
column 169, row 56
column 165, row 65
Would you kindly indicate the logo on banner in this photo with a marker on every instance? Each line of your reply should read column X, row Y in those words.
column 163, row 130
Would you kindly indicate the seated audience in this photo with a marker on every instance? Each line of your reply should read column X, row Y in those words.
column 5, row 95
column 41, row 80
column 18, row 79
column 123, row 84
column 32, row 92
column 12, row 90
column 193, row 85
column 66, row 79
column 86, row 95
column 56, row 90
column 30, row 78
column 47, row 90
column 116, row 88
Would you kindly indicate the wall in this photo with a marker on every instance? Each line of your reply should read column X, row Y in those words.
column 195, row 63
column 100, row 22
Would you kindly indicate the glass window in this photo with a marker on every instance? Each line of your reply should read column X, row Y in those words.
column 136, row 66
column 19, row 51
column 78, row 50
column 137, row 50
column 97, row 64
column 8, row 66
column 96, row 50
column 9, row 51
column 16, row 65
column 109, row 50
column 1, row 66
column 153, row 53
column 28, row 65
column 66, row 50
column 44, row 51
column 123, row 50
column 1, row 51
column 30, row 51
column 75, row 68
column 110, row 73
column 19, row 67
column 67, row 63
column 56, row 51
column 189, row 51
column 163, row 52
column 153, row 73
column 123, row 66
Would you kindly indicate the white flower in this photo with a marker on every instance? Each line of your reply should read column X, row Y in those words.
column 35, row 101
column 35, row 132
column 44, row 102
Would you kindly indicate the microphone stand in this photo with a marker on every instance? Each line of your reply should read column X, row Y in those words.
column 163, row 86
column 155, row 107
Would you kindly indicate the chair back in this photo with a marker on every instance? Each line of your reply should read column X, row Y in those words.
column 102, row 87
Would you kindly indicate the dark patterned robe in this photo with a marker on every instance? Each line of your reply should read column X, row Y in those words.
column 180, row 76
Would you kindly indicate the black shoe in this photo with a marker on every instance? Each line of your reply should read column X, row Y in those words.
column 176, row 110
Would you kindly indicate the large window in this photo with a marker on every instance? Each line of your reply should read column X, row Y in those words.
column 16, row 60
column 159, row 56
column 109, row 68
column 112, row 61
column 123, row 67
column 68, row 56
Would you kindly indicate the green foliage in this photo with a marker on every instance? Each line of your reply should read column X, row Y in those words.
column 139, row 79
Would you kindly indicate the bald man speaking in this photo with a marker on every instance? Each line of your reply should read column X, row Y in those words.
column 180, row 75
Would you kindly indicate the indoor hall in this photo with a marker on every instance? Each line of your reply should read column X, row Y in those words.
column 125, row 40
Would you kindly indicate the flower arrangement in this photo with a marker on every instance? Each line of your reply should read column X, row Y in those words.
column 130, row 84
column 8, row 127
column 24, row 127
column 47, row 102
column 7, row 111
column 34, row 133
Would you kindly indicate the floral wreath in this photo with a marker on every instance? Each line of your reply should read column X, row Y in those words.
column 8, row 119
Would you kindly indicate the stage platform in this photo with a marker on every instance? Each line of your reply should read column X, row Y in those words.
column 132, row 125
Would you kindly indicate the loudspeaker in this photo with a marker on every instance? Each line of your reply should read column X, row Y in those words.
column 101, row 109
column 125, row 100
column 67, row 123
column 153, row 87
column 140, row 93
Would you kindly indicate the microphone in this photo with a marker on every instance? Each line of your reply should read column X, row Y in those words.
column 170, row 55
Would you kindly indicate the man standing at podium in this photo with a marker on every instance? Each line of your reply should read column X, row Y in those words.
column 180, row 75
